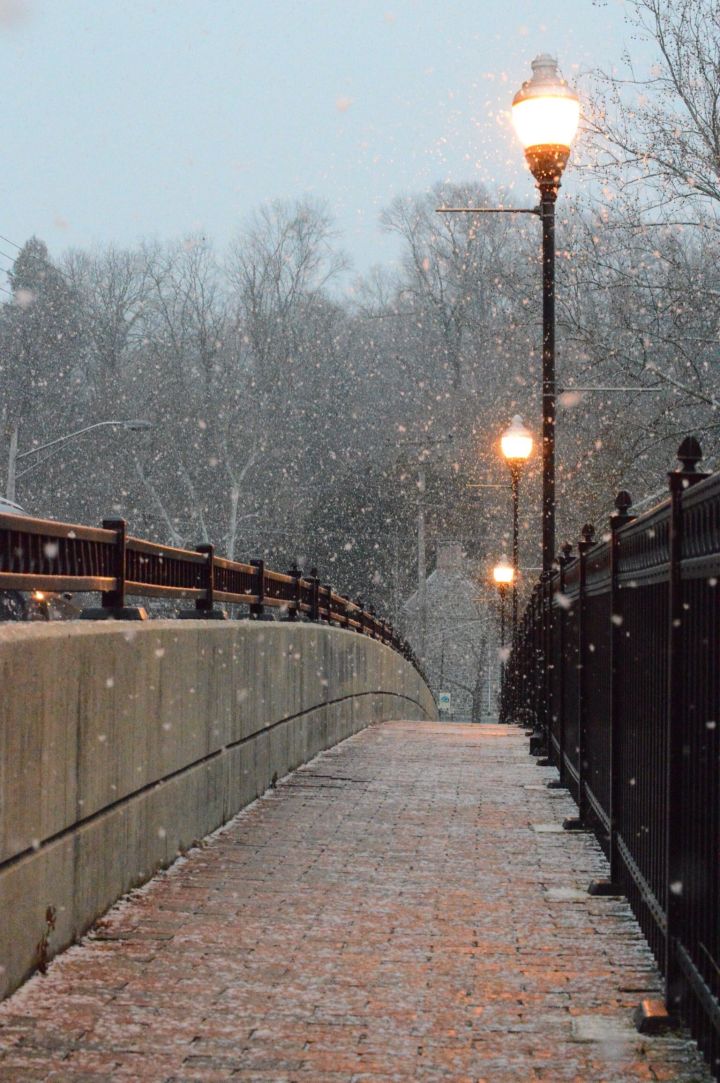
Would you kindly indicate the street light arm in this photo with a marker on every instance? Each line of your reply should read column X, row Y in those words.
column 70, row 435
column 489, row 210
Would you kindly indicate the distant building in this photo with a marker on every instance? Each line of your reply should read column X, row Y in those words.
column 456, row 638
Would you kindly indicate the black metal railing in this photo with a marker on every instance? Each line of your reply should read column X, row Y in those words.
column 44, row 555
column 617, row 666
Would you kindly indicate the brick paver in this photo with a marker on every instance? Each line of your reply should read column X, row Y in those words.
column 388, row 912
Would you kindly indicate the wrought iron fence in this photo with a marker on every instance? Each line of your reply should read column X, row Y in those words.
column 43, row 555
column 617, row 664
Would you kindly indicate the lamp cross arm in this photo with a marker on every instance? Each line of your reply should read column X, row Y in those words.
column 537, row 211
column 78, row 432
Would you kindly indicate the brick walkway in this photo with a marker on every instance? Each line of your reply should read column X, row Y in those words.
column 388, row 912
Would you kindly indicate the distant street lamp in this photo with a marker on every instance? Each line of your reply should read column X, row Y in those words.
column 14, row 457
column 503, row 576
column 546, row 113
column 516, row 444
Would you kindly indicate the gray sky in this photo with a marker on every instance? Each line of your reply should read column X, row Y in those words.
column 129, row 119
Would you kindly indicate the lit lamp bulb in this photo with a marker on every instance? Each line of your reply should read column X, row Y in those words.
column 503, row 574
column 546, row 114
column 516, row 442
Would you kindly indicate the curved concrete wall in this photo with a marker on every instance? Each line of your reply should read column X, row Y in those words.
column 122, row 744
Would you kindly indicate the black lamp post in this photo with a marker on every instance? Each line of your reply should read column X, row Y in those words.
column 546, row 112
column 503, row 577
column 516, row 444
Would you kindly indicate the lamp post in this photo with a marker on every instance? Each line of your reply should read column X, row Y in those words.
column 546, row 113
column 516, row 444
column 14, row 457
column 503, row 576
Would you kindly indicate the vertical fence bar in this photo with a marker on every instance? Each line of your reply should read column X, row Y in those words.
column 205, row 607
column 293, row 610
column 257, row 609
column 113, row 605
column 618, row 637
column 206, row 603
column 689, row 454
column 561, row 618
column 115, row 599
column 579, row 822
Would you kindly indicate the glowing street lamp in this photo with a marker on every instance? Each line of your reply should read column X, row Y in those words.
column 546, row 113
column 503, row 576
column 516, row 444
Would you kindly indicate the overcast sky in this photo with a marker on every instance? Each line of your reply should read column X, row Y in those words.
column 129, row 119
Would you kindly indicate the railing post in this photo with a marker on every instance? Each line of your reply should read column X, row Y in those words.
column 548, row 666
column 293, row 610
column 205, row 607
column 538, row 737
column 620, row 518
column 112, row 605
column 689, row 454
column 115, row 599
column 561, row 617
column 257, row 609
column 578, row 823
column 315, row 582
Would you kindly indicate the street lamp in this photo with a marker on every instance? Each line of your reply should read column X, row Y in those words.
column 503, row 576
column 516, row 444
column 546, row 113
column 14, row 457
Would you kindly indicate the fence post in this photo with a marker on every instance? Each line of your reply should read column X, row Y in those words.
column 578, row 823
column 689, row 453
column 620, row 518
column 112, row 605
column 293, row 610
column 257, row 609
column 315, row 603
column 205, row 607
column 549, row 674
column 539, row 711
column 560, row 616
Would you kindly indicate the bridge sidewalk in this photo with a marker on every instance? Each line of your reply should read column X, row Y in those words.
column 388, row 912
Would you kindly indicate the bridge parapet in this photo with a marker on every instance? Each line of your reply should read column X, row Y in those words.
column 123, row 743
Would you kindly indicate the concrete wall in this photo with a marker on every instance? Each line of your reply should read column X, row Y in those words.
column 121, row 744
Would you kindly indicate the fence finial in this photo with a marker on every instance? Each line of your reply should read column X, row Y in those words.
column 623, row 503
column 689, row 453
column 588, row 533
column 566, row 553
